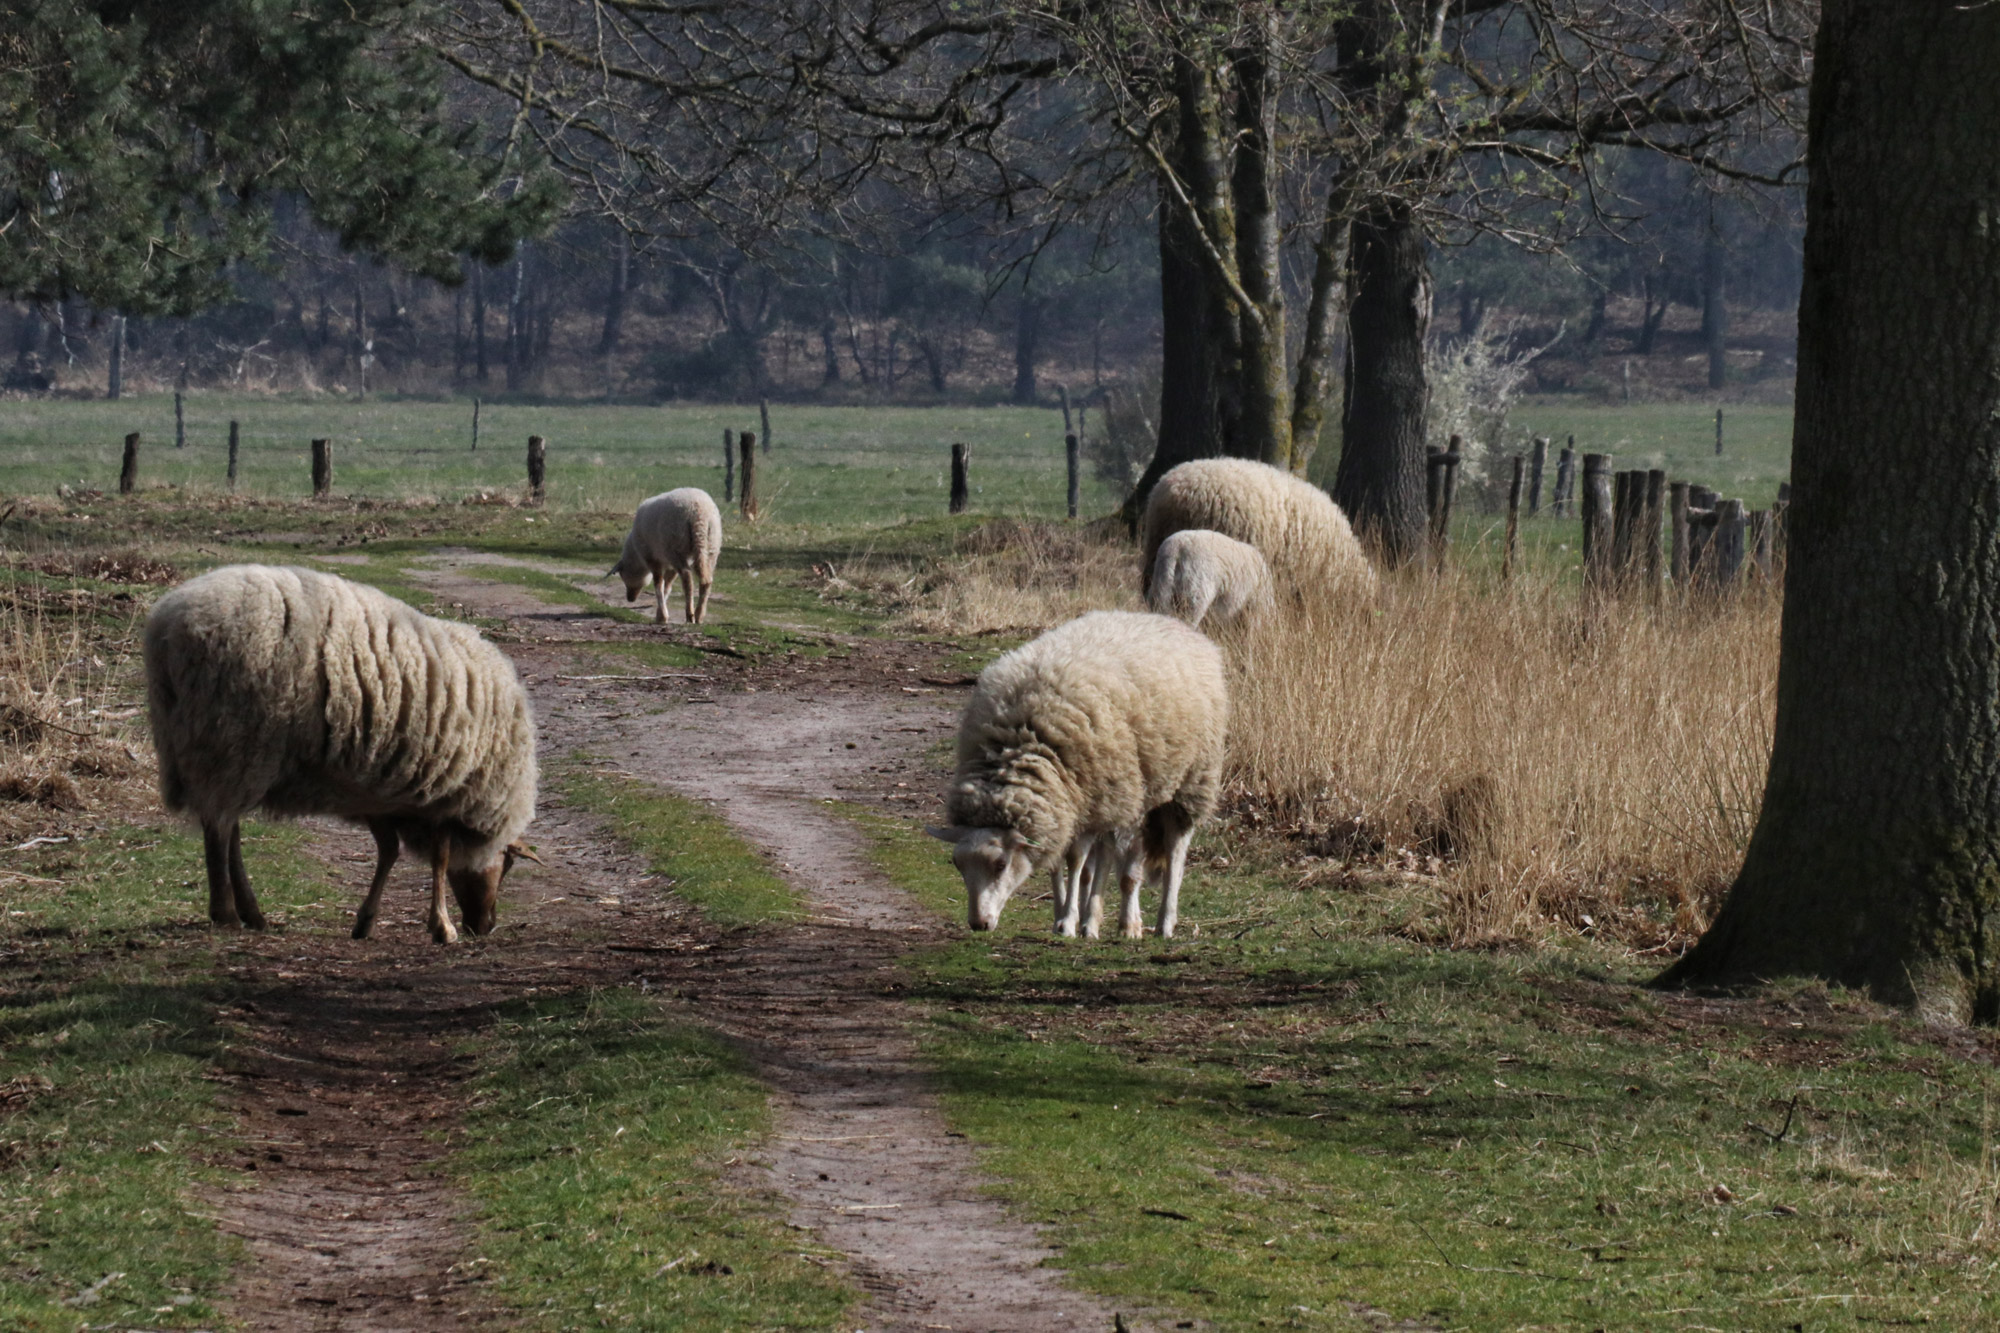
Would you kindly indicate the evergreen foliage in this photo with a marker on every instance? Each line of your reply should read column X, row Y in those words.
column 144, row 142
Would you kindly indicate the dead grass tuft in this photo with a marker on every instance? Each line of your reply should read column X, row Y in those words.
column 127, row 567
column 1009, row 576
column 65, row 655
column 1602, row 771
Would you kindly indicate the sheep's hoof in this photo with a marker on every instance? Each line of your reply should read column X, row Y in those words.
column 361, row 928
column 443, row 933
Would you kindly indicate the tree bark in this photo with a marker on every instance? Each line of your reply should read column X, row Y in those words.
column 1267, row 391
column 1380, row 482
column 614, row 299
column 1876, row 857
column 1027, row 333
column 1316, row 350
column 478, row 322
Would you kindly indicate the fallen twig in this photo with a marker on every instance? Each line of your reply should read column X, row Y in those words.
column 1784, row 1129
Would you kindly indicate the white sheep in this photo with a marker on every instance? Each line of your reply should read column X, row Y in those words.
column 1111, row 724
column 297, row 693
column 1295, row 525
column 1198, row 573
column 678, row 534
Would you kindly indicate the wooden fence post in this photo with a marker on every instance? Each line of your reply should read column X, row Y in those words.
column 1441, row 485
column 1070, row 457
column 747, row 464
column 128, row 467
column 728, row 465
column 1757, row 542
column 1538, row 459
column 961, row 489
column 764, row 422
column 1729, row 525
column 1565, row 481
column 1597, row 533
column 1677, row 568
column 235, row 431
column 180, row 422
column 1649, row 531
column 322, row 468
column 475, row 424
column 1624, row 524
column 1507, row 554
column 1780, row 520
column 1718, row 432
column 538, row 468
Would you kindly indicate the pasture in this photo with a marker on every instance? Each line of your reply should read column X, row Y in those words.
column 731, row 1060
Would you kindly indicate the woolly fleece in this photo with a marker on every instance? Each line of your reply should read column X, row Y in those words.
column 301, row 693
column 1089, row 727
column 1296, row 525
column 1200, row 574
column 678, row 532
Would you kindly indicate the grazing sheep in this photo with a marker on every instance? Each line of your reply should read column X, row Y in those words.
column 675, row 534
column 1293, row 523
column 297, row 693
column 1199, row 573
column 1111, row 724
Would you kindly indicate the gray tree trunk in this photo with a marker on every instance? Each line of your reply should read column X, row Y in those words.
column 1381, row 478
column 1876, row 858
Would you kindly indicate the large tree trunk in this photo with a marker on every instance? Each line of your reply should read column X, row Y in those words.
column 1267, row 392
column 1196, row 356
column 1381, row 478
column 1876, row 857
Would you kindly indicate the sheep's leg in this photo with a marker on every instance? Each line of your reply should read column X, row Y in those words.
column 1068, row 875
column 660, row 597
column 701, row 602
column 1170, row 889
column 1132, row 878
column 215, row 853
column 386, row 847
column 687, row 595
column 239, row 882
column 441, row 928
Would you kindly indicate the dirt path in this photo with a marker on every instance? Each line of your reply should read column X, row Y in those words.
column 344, row 1072
column 345, row 1082
column 861, row 1150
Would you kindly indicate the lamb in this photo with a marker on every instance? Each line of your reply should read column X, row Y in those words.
column 297, row 692
column 1293, row 523
column 1199, row 573
column 1113, row 724
column 678, row 534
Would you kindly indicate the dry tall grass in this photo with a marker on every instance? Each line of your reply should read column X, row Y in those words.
column 1009, row 576
column 1602, row 769
column 67, row 695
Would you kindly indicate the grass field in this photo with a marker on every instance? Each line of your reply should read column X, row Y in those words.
column 847, row 465
column 1680, row 437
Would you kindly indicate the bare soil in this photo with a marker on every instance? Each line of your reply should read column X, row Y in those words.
column 345, row 1078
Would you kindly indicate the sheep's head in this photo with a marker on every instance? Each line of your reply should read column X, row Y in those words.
column 634, row 582
column 478, row 890
column 994, row 863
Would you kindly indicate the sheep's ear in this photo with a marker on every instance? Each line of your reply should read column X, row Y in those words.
column 949, row 834
column 613, row 570
column 524, row 852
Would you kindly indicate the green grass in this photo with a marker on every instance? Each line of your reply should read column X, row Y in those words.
column 107, row 1027
column 597, row 1149
column 1680, row 437
column 847, row 465
column 704, row 860
column 1302, row 1113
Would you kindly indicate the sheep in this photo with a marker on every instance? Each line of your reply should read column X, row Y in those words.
column 297, row 692
column 675, row 534
column 1111, row 724
column 1293, row 523
column 1199, row 573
